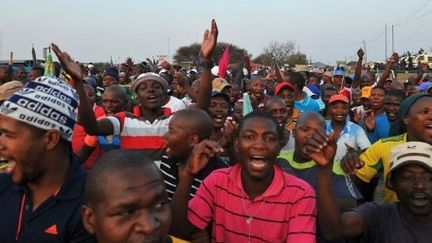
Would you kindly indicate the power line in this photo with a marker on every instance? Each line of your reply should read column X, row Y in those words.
column 406, row 20
column 421, row 16
column 381, row 34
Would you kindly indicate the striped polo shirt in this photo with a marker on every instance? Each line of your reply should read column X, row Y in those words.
column 141, row 134
column 285, row 212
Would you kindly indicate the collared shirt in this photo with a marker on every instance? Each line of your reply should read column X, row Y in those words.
column 306, row 104
column 57, row 219
column 140, row 134
column 285, row 212
column 352, row 134
column 377, row 156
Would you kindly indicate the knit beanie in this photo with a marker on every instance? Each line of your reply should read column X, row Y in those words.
column 398, row 127
column 46, row 103
column 112, row 71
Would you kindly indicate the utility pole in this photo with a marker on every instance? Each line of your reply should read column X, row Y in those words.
column 365, row 51
column 1, row 45
column 169, row 51
column 385, row 44
column 393, row 39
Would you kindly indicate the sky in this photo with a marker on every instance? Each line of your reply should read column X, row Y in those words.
column 326, row 31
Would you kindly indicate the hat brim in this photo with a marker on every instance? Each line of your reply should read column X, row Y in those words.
column 220, row 94
column 411, row 160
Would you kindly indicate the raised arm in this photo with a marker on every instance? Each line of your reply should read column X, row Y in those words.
column 207, row 47
column 422, row 70
column 85, row 111
column 358, row 69
column 333, row 224
column 387, row 70
column 201, row 154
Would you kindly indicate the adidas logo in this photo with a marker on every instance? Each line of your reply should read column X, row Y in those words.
column 52, row 230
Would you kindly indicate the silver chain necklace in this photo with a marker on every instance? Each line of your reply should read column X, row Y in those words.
column 249, row 217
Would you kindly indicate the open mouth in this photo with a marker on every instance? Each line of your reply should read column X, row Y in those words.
column 9, row 166
column 257, row 161
column 152, row 98
column 419, row 199
column 218, row 118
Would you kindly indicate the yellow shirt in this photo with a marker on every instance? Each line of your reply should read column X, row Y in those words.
column 177, row 240
column 377, row 155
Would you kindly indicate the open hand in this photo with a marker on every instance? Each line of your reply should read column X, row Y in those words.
column 210, row 40
column 360, row 53
column 356, row 116
column 369, row 120
column 69, row 65
column 394, row 58
column 228, row 132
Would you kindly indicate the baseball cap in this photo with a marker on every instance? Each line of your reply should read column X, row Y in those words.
column 423, row 86
column 366, row 91
column 283, row 85
column 410, row 153
column 216, row 93
column 338, row 72
column 338, row 97
column 218, row 84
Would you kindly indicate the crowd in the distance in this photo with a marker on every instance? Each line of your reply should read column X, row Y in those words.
column 165, row 153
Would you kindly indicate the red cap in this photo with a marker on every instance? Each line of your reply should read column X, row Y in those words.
column 283, row 85
column 338, row 97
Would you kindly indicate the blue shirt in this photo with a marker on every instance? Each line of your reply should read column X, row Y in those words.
column 57, row 219
column 352, row 134
column 382, row 127
column 306, row 104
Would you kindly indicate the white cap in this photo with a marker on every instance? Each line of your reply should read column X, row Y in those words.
column 410, row 153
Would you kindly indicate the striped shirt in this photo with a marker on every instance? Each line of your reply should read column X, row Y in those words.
column 141, row 134
column 285, row 212
column 169, row 169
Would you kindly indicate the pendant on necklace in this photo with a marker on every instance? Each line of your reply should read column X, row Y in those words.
column 249, row 220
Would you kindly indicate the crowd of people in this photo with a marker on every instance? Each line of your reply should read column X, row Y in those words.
column 165, row 153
